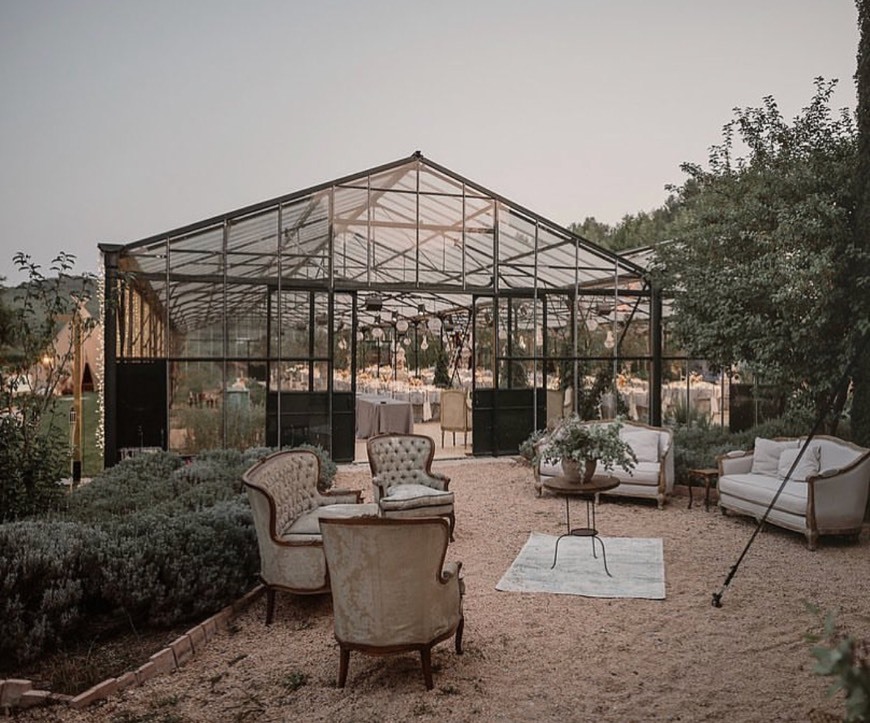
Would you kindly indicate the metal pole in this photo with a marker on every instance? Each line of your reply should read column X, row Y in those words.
column 77, row 397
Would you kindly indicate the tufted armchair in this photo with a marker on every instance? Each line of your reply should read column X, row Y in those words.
column 391, row 590
column 286, row 507
column 403, row 482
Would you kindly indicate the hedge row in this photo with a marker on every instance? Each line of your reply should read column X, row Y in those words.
column 153, row 539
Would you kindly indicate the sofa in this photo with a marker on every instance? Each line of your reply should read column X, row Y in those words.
column 652, row 476
column 825, row 493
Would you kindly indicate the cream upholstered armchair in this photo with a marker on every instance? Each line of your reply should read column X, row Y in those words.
column 391, row 590
column 403, row 482
column 286, row 506
column 455, row 414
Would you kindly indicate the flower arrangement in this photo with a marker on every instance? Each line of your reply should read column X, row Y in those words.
column 576, row 441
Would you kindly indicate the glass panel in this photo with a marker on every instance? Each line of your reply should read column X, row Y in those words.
column 321, row 325
column 484, row 362
column 252, row 246
column 321, row 375
column 291, row 376
column 305, row 238
column 343, row 343
column 245, row 401
column 479, row 242
column 293, row 322
column 195, row 406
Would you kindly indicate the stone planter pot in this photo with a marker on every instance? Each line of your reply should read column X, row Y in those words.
column 571, row 470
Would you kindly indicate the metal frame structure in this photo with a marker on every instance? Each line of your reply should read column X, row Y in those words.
column 289, row 291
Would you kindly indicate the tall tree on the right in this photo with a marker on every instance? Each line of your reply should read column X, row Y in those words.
column 861, row 377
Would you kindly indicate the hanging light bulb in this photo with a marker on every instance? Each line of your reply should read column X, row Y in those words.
column 591, row 324
column 424, row 345
column 407, row 341
column 377, row 333
column 342, row 344
column 609, row 342
column 402, row 326
column 360, row 336
column 434, row 324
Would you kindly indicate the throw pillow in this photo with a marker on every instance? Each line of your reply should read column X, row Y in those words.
column 765, row 458
column 645, row 444
column 806, row 467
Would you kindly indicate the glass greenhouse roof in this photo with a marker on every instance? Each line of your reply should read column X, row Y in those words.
column 411, row 230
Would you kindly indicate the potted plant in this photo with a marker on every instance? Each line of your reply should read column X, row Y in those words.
column 581, row 447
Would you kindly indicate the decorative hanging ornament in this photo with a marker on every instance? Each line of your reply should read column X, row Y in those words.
column 407, row 341
column 377, row 333
column 591, row 324
column 424, row 345
column 609, row 342
column 402, row 326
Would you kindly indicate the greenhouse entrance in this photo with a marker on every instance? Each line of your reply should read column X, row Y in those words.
column 280, row 323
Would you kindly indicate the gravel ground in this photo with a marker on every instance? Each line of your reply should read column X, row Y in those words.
column 539, row 657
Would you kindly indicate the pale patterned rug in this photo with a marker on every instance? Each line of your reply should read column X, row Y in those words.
column 636, row 564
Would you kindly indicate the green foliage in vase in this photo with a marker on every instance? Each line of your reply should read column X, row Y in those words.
column 580, row 441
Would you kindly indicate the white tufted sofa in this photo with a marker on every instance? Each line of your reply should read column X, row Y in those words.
column 287, row 508
column 826, row 492
column 403, row 482
column 652, row 476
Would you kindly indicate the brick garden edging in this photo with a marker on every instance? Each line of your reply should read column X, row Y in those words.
column 18, row 694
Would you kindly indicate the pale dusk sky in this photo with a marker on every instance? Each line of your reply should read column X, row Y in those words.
column 123, row 119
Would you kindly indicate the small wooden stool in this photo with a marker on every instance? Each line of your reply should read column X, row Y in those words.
column 706, row 475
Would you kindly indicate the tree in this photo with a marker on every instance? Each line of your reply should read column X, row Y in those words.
column 861, row 397
column 33, row 445
column 763, row 268
column 644, row 228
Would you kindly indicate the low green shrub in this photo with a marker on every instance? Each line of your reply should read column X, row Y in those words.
column 698, row 446
column 134, row 484
column 162, row 569
column 152, row 539
column 31, row 464
column 49, row 577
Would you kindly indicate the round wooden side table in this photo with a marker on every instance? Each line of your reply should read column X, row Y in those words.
column 707, row 475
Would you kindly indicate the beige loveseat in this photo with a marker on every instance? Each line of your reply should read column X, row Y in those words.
column 652, row 476
column 826, row 493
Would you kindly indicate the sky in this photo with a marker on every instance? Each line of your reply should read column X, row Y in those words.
column 121, row 119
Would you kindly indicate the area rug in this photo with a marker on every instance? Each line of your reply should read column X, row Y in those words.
column 636, row 564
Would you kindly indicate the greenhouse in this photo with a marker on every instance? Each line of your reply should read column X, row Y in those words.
column 267, row 326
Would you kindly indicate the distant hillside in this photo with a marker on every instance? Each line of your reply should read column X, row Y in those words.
column 68, row 285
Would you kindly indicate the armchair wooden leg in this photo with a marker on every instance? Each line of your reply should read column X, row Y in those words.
column 452, row 518
column 426, row 659
column 343, row 664
column 270, row 605
column 459, row 631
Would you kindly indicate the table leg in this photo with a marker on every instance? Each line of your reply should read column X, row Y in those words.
column 590, row 526
column 707, row 493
